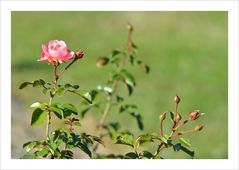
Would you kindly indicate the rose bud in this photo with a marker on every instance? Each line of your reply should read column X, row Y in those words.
column 199, row 127
column 130, row 27
column 194, row 115
column 79, row 54
column 176, row 99
column 178, row 117
column 162, row 116
column 102, row 61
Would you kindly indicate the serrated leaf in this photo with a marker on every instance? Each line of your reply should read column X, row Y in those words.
column 38, row 117
column 25, row 84
column 185, row 142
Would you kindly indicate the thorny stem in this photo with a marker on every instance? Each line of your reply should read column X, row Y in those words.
column 114, row 85
column 56, row 77
column 161, row 127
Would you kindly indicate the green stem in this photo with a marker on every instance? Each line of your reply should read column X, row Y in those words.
column 48, row 120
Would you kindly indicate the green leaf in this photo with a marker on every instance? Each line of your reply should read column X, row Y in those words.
column 75, row 86
column 131, row 155
column 45, row 91
column 70, row 107
column 84, row 148
column 97, row 139
column 67, row 85
column 29, row 145
column 191, row 153
column 38, row 117
column 39, row 83
column 165, row 139
column 43, row 152
column 177, row 147
column 60, row 91
column 148, row 154
column 132, row 60
column 114, row 53
column 83, row 112
column 125, row 139
column 129, row 88
column 58, row 112
column 38, row 105
column 84, row 94
column 144, row 66
column 172, row 115
column 25, row 84
column 29, row 156
column 139, row 119
column 115, row 125
column 185, row 142
column 142, row 140
column 129, row 78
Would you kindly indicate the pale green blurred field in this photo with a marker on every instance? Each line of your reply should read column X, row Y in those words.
column 187, row 53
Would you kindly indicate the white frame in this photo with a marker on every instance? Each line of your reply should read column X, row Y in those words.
column 115, row 5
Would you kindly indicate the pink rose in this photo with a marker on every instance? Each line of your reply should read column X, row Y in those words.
column 56, row 52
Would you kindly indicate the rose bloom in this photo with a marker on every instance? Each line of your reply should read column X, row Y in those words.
column 56, row 52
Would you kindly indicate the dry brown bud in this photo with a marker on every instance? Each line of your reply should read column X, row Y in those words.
column 130, row 27
column 162, row 116
column 101, row 61
column 194, row 115
column 176, row 99
column 199, row 127
column 178, row 117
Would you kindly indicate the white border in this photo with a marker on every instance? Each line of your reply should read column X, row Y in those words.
column 8, row 6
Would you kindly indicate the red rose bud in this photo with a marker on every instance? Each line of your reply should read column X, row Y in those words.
column 79, row 54
column 176, row 99
column 199, row 127
column 162, row 116
column 194, row 115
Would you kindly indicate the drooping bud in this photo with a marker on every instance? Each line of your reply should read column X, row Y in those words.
column 199, row 127
column 102, row 61
column 176, row 99
column 193, row 115
column 162, row 116
column 130, row 27
column 178, row 117
column 79, row 54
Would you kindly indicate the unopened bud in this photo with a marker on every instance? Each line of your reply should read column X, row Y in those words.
column 176, row 99
column 199, row 127
column 102, row 61
column 79, row 54
column 162, row 116
column 178, row 117
column 130, row 27
column 194, row 115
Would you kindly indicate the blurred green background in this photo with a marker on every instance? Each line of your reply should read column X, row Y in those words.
column 187, row 53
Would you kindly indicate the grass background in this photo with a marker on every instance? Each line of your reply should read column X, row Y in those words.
column 187, row 53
